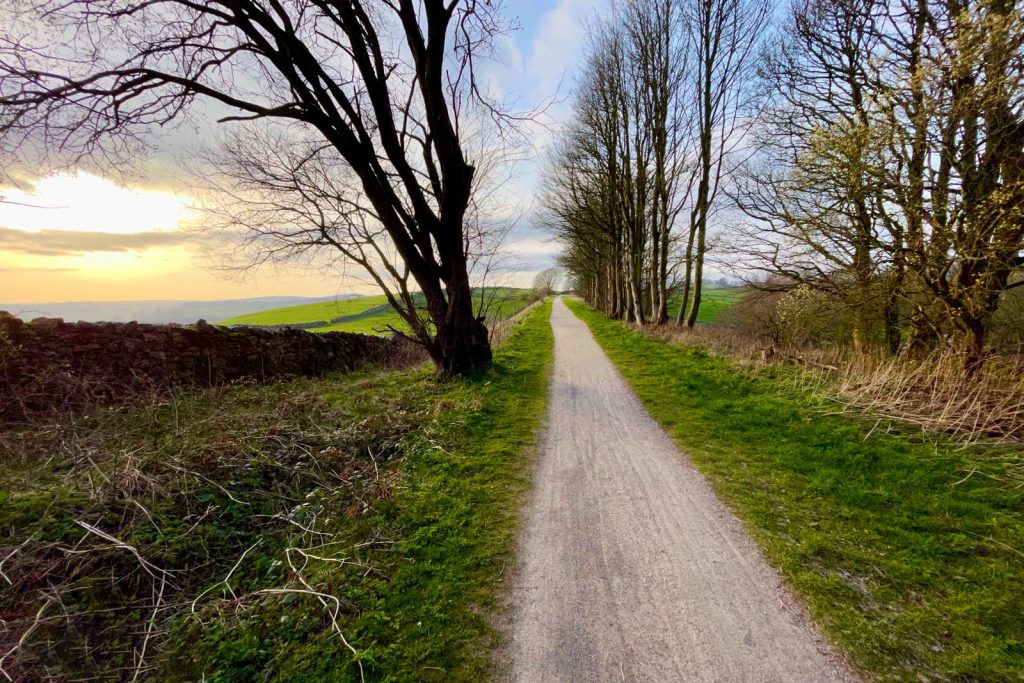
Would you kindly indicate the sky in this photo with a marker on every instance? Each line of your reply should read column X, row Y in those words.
column 98, row 234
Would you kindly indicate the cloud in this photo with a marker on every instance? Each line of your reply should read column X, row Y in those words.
column 38, row 270
column 558, row 44
column 531, row 254
column 534, row 246
column 90, row 203
column 69, row 242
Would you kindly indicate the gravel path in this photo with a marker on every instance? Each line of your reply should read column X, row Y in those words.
column 630, row 567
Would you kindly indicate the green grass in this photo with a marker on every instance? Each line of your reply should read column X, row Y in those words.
column 404, row 492
column 375, row 323
column 500, row 303
column 907, row 550
column 713, row 303
column 306, row 313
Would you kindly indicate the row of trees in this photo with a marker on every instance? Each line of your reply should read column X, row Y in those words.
column 657, row 118
column 871, row 151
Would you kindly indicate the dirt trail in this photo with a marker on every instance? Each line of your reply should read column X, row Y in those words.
column 630, row 567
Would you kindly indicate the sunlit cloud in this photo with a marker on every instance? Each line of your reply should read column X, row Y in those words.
column 87, row 203
column 69, row 242
column 82, row 235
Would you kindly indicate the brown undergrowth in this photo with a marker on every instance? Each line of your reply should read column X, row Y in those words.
column 337, row 528
column 931, row 393
column 114, row 522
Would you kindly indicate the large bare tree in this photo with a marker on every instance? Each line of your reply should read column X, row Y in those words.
column 385, row 86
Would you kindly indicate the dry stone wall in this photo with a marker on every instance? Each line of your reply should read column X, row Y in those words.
column 48, row 364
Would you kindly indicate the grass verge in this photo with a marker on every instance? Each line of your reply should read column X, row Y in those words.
column 320, row 530
column 907, row 550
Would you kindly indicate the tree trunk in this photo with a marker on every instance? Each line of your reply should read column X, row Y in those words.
column 618, row 309
column 893, row 338
column 662, row 314
column 975, row 353
column 684, row 298
column 461, row 344
column 636, row 296
column 698, row 274
column 921, row 335
column 862, row 272
column 698, row 267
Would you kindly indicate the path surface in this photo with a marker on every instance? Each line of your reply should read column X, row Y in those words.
column 630, row 568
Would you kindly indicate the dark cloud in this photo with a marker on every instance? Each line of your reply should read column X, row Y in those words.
column 69, row 242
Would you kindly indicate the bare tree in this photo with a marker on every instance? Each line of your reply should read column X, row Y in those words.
column 979, row 193
column 545, row 281
column 889, row 175
column 613, row 187
column 661, row 61
column 284, row 196
column 811, row 189
column 582, row 196
column 724, row 36
column 385, row 86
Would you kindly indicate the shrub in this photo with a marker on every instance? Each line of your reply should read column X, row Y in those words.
column 1007, row 331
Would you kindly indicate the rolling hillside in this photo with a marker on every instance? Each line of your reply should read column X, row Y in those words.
column 159, row 312
column 372, row 314
column 323, row 311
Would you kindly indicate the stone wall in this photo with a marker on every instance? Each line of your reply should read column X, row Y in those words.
column 49, row 364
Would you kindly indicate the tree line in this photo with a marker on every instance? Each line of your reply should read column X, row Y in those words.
column 656, row 108
column 869, row 151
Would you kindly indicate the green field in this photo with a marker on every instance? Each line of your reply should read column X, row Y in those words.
column 907, row 550
column 307, row 313
column 713, row 303
column 497, row 303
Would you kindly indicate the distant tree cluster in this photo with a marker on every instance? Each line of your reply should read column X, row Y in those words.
column 872, row 152
column 546, row 282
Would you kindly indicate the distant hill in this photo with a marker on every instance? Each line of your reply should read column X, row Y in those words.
column 371, row 314
column 300, row 313
column 160, row 311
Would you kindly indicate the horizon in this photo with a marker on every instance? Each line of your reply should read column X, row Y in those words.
column 187, row 300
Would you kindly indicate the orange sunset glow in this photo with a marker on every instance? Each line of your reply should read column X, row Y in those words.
column 80, row 236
